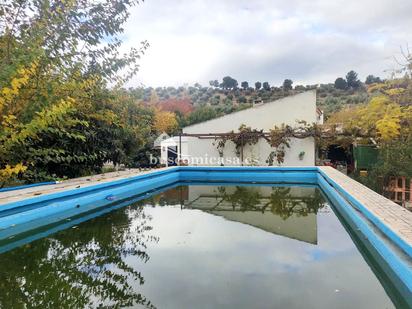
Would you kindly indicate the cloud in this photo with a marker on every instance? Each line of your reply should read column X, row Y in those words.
column 308, row 41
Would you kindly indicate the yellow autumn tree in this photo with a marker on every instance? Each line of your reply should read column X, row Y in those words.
column 8, row 104
column 165, row 122
column 8, row 172
column 344, row 116
column 381, row 118
column 14, row 135
column 58, row 117
column 9, row 93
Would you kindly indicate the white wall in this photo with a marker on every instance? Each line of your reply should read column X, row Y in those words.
column 287, row 110
column 263, row 117
column 202, row 150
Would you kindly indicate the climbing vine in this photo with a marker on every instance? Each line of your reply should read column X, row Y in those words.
column 279, row 138
column 245, row 136
column 220, row 145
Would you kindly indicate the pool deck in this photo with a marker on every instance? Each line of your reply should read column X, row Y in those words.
column 397, row 218
column 75, row 183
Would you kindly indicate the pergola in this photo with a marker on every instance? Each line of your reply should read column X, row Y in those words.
column 244, row 136
column 326, row 132
column 215, row 136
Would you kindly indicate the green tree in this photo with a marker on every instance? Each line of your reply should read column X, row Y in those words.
column 370, row 79
column 242, row 99
column 287, row 84
column 352, row 80
column 229, row 83
column 201, row 114
column 56, row 60
column 341, row 83
column 258, row 85
column 266, row 86
column 214, row 83
column 245, row 85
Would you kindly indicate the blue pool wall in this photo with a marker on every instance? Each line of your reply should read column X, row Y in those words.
column 43, row 227
column 22, row 216
column 369, row 215
column 392, row 263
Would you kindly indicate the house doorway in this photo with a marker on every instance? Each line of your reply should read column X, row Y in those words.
column 171, row 155
column 340, row 157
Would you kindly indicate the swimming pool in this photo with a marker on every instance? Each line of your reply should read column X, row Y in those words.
column 201, row 238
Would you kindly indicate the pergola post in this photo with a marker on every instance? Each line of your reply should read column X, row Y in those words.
column 241, row 149
column 180, row 148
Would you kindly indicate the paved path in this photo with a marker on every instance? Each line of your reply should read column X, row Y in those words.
column 16, row 195
column 396, row 217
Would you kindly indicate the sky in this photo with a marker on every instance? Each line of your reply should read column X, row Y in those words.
column 309, row 42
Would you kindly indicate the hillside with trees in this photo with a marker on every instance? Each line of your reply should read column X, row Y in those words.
column 64, row 107
column 345, row 91
column 229, row 95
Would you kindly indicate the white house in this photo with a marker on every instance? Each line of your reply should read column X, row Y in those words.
column 202, row 150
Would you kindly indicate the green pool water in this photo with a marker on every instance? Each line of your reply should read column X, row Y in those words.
column 200, row 246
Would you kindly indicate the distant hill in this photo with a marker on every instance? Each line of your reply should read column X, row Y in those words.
column 218, row 101
column 331, row 100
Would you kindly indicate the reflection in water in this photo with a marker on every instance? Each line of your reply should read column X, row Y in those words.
column 197, row 246
column 79, row 268
column 284, row 204
column 286, row 211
